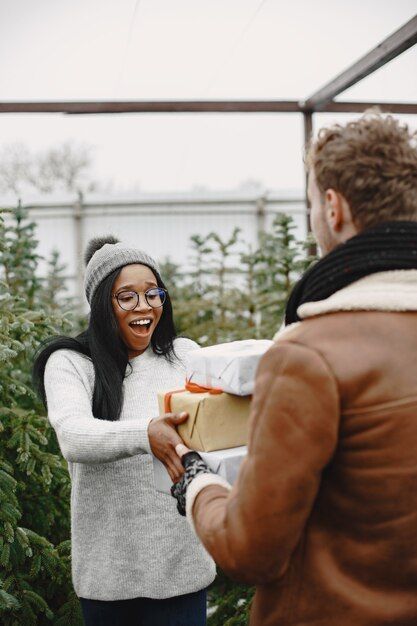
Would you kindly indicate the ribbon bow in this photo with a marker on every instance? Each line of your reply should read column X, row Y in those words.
column 189, row 386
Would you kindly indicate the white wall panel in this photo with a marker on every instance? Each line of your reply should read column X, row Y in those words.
column 162, row 229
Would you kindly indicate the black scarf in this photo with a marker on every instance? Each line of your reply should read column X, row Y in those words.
column 387, row 246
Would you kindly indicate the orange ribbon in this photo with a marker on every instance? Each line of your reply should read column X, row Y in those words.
column 193, row 388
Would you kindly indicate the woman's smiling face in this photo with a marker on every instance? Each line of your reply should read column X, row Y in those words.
column 136, row 337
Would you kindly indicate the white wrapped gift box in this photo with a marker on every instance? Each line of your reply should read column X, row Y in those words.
column 225, row 463
column 228, row 366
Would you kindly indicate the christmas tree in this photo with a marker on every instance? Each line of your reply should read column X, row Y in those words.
column 35, row 581
column 276, row 265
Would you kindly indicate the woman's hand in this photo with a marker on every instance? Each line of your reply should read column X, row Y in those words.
column 163, row 438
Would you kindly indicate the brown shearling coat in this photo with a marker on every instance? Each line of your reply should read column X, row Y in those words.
column 323, row 517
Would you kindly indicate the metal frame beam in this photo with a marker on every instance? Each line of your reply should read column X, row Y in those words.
column 153, row 106
column 197, row 106
column 391, row 47
column 405, row 108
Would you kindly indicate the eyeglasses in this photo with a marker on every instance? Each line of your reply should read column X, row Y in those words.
column 129, row 300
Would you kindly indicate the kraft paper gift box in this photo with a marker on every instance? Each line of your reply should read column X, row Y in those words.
column 216, row 420
column 225, row 463
column 228, row 366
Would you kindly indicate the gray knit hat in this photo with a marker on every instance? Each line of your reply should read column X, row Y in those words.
column 110, row 257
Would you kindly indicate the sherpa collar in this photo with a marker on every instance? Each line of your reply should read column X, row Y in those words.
column 385, row 291
column 394, row 291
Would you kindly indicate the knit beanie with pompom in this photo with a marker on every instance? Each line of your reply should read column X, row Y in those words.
column 103, row 255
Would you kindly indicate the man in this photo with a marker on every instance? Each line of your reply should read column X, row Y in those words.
column 323, row 517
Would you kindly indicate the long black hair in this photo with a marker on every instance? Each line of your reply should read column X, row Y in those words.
column 101, row 343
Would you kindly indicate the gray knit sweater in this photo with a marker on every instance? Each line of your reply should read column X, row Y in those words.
column 128, row 540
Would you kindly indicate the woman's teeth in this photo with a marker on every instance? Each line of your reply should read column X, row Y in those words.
column 140, row 322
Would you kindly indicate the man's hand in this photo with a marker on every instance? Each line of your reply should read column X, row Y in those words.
column 163, row 438
column 194, row 465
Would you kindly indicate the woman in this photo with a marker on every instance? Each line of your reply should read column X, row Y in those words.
column 133, row 560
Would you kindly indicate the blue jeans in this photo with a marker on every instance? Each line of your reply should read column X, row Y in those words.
column 187, row 610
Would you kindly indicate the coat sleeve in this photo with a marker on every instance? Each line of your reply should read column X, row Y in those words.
column 252, row 530
column 83, row 438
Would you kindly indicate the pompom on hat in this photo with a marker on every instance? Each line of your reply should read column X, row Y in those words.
column 104, row 255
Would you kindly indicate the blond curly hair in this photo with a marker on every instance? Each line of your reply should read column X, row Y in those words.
column 372, row 162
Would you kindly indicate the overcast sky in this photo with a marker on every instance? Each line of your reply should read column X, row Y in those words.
column 191, row 49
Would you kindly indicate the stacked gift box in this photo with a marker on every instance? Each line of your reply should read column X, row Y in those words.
column 216, row 395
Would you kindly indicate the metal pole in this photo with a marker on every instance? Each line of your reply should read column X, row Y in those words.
column 308, row 132
column 260, row 217
column 79, row 247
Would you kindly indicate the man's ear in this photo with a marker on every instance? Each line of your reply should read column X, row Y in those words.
column 335, row 209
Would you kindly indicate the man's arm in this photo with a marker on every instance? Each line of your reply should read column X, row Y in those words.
column 252, row 530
